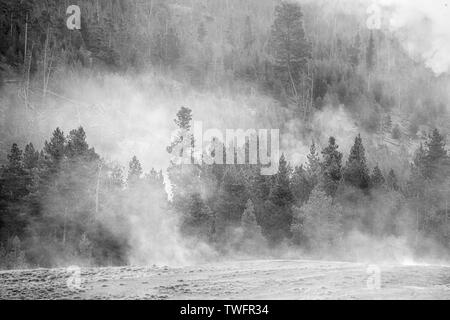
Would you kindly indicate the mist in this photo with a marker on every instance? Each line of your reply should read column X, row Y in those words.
column 229, row 80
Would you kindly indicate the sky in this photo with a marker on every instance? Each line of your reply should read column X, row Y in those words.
column 422, row 25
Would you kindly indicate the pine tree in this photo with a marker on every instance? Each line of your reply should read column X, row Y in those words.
column 356, row 172
column 281, row 194
column 436, row 159
column 55, row 149
column 377, row 180
column 313, row 168
column 15, row 158
column 77, row 145
column 331, row 167
column 13, row 188
column 134, row 171
column 291, row 50
column 13, row 176
column 277, row 213
column 30, row 157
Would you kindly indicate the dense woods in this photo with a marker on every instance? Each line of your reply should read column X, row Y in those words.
column 64, row 202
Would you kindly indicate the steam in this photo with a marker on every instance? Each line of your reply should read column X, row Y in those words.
column 326, row 123
column 424, row 29
column 133, row 115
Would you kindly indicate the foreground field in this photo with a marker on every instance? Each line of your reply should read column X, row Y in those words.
column 273, row 279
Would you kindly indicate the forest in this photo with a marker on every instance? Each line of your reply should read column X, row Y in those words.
column 379, row 185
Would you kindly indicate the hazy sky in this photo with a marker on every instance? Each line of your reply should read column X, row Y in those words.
column 423, row 25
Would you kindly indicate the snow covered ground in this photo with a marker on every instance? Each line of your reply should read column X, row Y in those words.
column 255, row 279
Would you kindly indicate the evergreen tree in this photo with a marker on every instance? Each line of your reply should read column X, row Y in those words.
column 30, row 157
column 15, row 158
column 291, row 50
column 314, row 168
column 281, row 194
column 331, row 167
column 77, row 145
column 134, row 171
column 356, row 172
column 277, row 214
column 55, row 149
column 377, row 180
column 436, row 159
column 13, row 189
column 14, row 178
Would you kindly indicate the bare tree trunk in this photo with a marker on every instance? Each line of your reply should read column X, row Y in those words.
column 297, row 99
column 446, row 217
column 64, row 227
column 49, row 72
column 27, row 88
column 26, row 40
column 11, row 27
column 44, row 93
column 97, row 191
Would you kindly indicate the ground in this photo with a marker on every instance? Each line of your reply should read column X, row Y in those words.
column 256, row 279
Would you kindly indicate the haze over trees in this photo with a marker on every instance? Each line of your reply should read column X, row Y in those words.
column 62, row 201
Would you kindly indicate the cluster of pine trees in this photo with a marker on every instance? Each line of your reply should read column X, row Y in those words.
column 64, row 203
column 312, row 205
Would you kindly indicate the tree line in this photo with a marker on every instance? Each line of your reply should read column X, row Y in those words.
column 64, row 202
